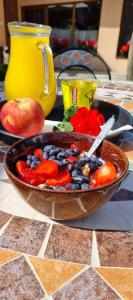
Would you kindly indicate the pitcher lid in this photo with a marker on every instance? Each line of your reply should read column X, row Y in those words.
column 29, row 29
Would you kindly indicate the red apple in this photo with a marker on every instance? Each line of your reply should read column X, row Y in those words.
column 22, row 116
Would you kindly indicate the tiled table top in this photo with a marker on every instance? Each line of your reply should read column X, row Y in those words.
column 41, row 259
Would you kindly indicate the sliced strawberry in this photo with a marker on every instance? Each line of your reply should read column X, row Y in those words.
column 47, row 168
column 62, row 178
column 28, row 175
column 74, row 147
column 20, row 165
column 105, row 174
column 38, row 152
column 71, row 159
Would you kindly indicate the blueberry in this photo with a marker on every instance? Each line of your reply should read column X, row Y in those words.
column 33, row 165
column 52, row 157
column 48, row 148
column 85, row 186
column 28, row 162
column 96, row 160
column 69, row 151
column 84, row 160
column 93, row 165
column 73, row 186
column 61, row 155
column 76, row 152
column 54, row 151
column 45, row 155
column 72, row 152
column 70, row 167
column 78, row 165
column 100, row 163
column 29, row 156
column 62, row 164
column 75, row 173
column 59, row 187
column 80, row 179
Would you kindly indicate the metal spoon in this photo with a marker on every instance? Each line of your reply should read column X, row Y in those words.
column 105, row 130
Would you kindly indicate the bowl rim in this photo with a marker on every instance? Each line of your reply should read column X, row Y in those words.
column 65, row 192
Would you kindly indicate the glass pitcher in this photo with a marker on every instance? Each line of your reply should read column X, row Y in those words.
column 31, row 71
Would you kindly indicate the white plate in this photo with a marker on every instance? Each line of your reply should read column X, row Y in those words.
column 48, row 126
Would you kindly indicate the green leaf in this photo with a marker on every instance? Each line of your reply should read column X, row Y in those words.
column 70, row 112
column 64, row 126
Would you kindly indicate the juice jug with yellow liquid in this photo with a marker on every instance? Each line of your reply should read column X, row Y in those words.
column 30, row 71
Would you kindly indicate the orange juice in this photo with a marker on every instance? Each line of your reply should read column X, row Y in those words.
column 31, row 72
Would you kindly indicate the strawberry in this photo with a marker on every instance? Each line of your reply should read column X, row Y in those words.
column 105, row 174
column 47, row 168
column 27, row 174
column 71, row 159
column 38, row 152
column 20, row 165
column 74, row 147
column 62, row 178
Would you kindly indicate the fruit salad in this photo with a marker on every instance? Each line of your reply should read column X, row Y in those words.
column 53, row 167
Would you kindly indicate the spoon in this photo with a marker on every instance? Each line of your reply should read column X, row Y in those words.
column 101, row 136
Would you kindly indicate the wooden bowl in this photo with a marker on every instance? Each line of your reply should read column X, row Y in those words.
column 65, row 205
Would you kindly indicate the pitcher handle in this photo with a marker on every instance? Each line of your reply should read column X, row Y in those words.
column 49, row 85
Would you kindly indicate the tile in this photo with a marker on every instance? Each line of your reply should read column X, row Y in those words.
column 128, row 106
column 69, row 244
column 6, row 255
column 120, row 279
column 17, row 282
column 4, row 217
column 24, row 235
column 89, row 285
column 115, row 248
column 3, row 174
column 53, row 273
column 16, row 205
column 5, row 190
column 115, row 101
column 127, row 147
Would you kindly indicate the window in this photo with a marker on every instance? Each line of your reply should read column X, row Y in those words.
column 126, row 29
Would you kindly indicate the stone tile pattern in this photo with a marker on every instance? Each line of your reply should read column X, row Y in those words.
column 54, row 273
column 121, row 279
column 4, row 217
column 69, row 244
column 24, row 235
column 17, row 282
column 7, row 255
column 89, row 285
column 115, row 248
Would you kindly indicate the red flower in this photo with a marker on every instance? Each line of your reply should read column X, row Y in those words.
column 91, row 43
column 87, row 121
column 125, row 48
column 83, row 43
column 56, row 41
column 79, row 43
column 64, row 43
column 83, row 112
column 78, row 123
